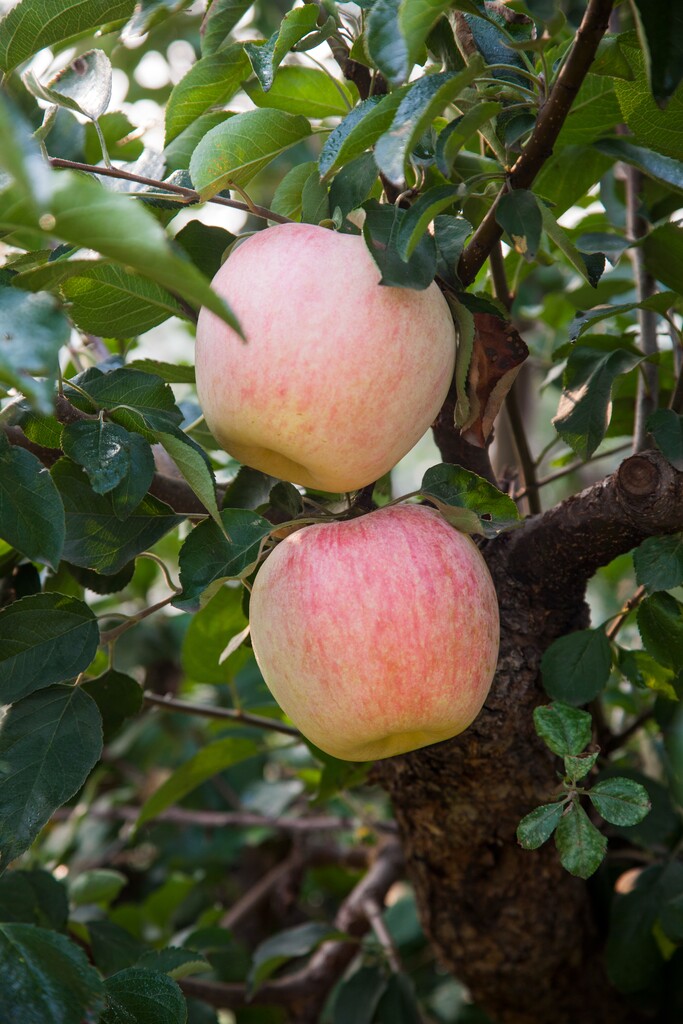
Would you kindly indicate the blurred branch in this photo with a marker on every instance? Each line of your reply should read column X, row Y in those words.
column 305, row 991
column 539, row 148
column 648, row 378
column 210, row 711
column 189, row 194
column 573, row 467
column 622, row 616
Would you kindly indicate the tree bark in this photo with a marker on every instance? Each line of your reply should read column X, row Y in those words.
column 512, row 924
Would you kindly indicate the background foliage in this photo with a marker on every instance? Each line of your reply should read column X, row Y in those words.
column 169, row 844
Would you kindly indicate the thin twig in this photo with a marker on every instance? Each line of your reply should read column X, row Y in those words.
column 626, row 610
column 113, row 634
column 573, row 467
column 209, row 711
column 187, row 193
column 222, row 819
column 373, row 912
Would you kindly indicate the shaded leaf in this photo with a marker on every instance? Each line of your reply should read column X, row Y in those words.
column 458, row 132
column 358, row 131
column 519, row 214
column 139, row 995
column 660, row 28
column 101, row 449
column 620, row 801
column 564, row 729
column 663, row 250
column 381, row 230
column 31, row 511
column 286, row 945
column 666, row 427
column 661, row 168
column 44, row 639
column 385, row 42
column 137, row 400
column 211, row 553
column 359, row 995
column 660, row 621
column 420, row 215
column 576, row 667
column 118, row 697
column 174, row 961
column 580, row 845
column 49, row 743
column 34, row 897
column 538, row 826
column 33, row 331
column 99, row 885
column 589, row 265
column 659, row 562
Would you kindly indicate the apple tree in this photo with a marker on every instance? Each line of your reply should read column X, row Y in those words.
column 172, row 848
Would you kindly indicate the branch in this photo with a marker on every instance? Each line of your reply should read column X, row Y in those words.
column 454, row 448
column 221, row 819
column 539, row 148
column 211, row 711
column 305, row 992
column 558, row 552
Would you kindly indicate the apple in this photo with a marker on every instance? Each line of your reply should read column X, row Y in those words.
column 338, row 377
column 377, row 635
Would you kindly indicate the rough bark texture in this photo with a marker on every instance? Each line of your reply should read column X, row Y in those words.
column 511, row 923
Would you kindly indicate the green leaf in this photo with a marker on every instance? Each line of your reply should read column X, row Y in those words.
column 205, row 246
column 594, row 112
column 420, row 215
column 49, row 743
column 34, row 897
column 44, row 639
column 661, row 168
column 34, row 24
column 95, row 537
column 101, row 449
column 99, row 885
column 46, row 977
column 666, row 427
column 211, row 81
column 286, row 945
column 137, row 400
column 240, row 147
column 117, row 696
column 194, row 466
column 460, row 488
column 31, row 511
column 84, row 86
column 564, row 729
column 589, row 265
column 359, row 995
column 660, row 29
column 33, row 331
column 315, row 204
column 381, row 230
column 580, row 845
column 576, row 667
column 659, row 562
column 650, row 125
column 416, row 18
column 641, row 669
column 127, row 495
column 519, row 214
column 300, row 90
column 660, row 621
column 287, row 198
column 386, row 45
column 352, row 185
column 174, row 961
column 211, row 760
column 538, row 826
column 420, row 104
column 211, row 553
column 144, row 997
column 620, row 801
column 671, row 919
column 568, row 175
column 21, row 157
column 88, row 215
column 116, row 129
column 458, row 132
column 219, row 21
column 584, row 321
column 358, row 131
column 267, row 56
column 577, row 766
column 633, row 957
column 398, row 1005
column 208, row 634
column 113, row 948
column 585, row 407
column 663, row 250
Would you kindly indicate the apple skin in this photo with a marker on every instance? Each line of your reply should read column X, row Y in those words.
column 339, row 376
column 377, row 635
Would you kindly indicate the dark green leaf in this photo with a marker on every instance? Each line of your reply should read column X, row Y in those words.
column 249, row 489
column 137, row 995
column 212, row 80
column 564, row 729
column 576, row 667
column 84, row 86
column 219, row 21
column 492, row 41
column 578, row 766
column 306, row 91
column 101, row 449
column 359, row 995
column 108, row 301
column 284, row 946
column 240, row 147
column 450, row 234
column 416, row 18
column 288, row 196
column 21, row 157
column 620, row 801
column 117, row 696
column 589, row 265
column 456, row 134
column 352, row 185
column 137, row 400
column 569, row 174
column 34, row 897
column 633, row 956
column 211, row 760
column 267, row 56
column 385, row 42
column 205, row 246
column 423, row 100
column 31, row 511
column 666, row 427
column 660, row 27
column 210, row 554
column 49, row 742
column 661, row 168
column 420, row 215
column 585, row 407
column 671, row 919
column 519, row 214
column 315, row 203
column 358, row 131
column 127, row 495
column 660, row 621
column 35, row 24
column 398, row 1005
column 659, row 562
column 33, row 331
column 44, row 639
column 95, row 537
column 538, row 826
column 46, row 978
column 580, row 845
column 113, row 948
column 583, row 321
column 460, row 488
column 381, row 230
column 194, row 466
column 651, row 126
column 663, row 250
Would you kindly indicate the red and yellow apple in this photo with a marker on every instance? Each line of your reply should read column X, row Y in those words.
column 338, row 377
column 377, row 635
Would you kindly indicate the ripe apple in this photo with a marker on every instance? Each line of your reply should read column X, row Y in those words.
column 339, row 377
column 377, row 635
